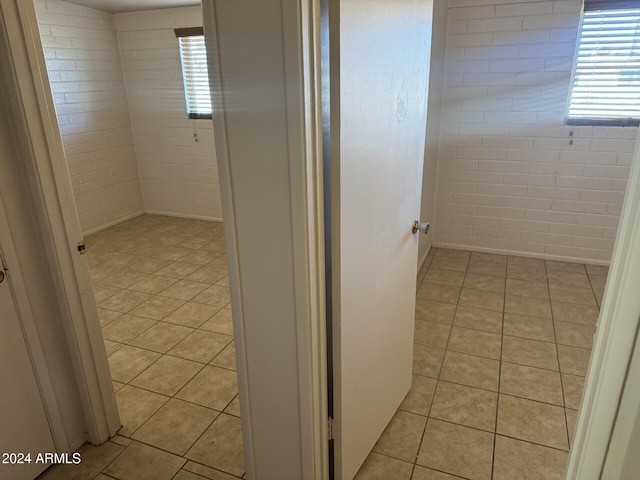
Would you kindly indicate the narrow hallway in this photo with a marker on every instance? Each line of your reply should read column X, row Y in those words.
column 501, row 349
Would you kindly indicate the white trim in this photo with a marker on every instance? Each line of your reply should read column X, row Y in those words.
column 114, row 222
column 424, row 257
column 47, row 173
column 181, row 215
column 614, row 342
column 517, row 253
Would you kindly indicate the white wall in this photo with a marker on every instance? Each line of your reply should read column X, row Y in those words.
column 178, row 175
column 434, row 115
column 511, row 177
column 85, row 72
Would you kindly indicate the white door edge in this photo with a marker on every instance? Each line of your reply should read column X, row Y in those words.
column 34, row 112
column 614, row 342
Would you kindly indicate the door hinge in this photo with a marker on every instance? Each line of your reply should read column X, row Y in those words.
column 82, row 248
column 330, row 429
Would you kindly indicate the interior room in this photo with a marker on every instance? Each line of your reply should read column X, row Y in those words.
column 523, row 208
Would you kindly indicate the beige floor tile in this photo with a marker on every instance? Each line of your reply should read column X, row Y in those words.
column 116, row 386
column 429, row 333
column 444, row 277
column 475, row 342
column 573, row 360
column 220, row 446
column 564, row 266
column 187, row 475
column 450, row 263
column 184, row 290
column 213, row 387
column 153, row 284
column 437, row 312
column 528, row 327
column 192, row 314
column 572, row 419
column 98, row 272
column 531, row 383
column 574, row 335
column 172, row 253
column 207, row 275
column 531, row 274
column 470, row 370
column 419, row 398
column 401, row 438
column 157, row 307
column 142, row 462
column 532, row 421
column 119, row 260
column 527, row 306
column 484, row 282
column 126, row 327
column 572, row 313
column 457, row 450
column 167, row 375
column 452, row 253
column 215, row 295
column 234, row 407
column 199, row 257
column 226, row 358
column 422, row 473
column 465, row 405
column 441, row 293
column 148, row 264
column 487, row 268
column 178, row 270
column 381, row 467
column 568, row 279
column 573, row 386
column 525, row 261
column 489, row 257
column 219, row 262
column 136, row 406
column 206, row 472
column 519, row 460
column 161, row 337
column 427, row 360
column 112, row 347
column 579, row 296
column 481, row 299
column 176, row 426
column 478, row 319
column 124, row 301
column 597, row 281
column 122, row 278
column 201, row 346
column 94, row 460
column 127, row 362
column 223, row 282
column 525, row 288
column 107, row 316
column 528, row 352
column 221, row 322
column 597, row 270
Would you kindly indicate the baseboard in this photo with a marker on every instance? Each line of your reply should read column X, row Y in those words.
column 180, row 215
column 424, row 257
column 544, row 256
column 112, row 223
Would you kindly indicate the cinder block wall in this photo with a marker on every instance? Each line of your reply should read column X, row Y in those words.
column 511, row 176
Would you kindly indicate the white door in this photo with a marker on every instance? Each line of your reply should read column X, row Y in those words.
column 376, row 185
column 24, row 427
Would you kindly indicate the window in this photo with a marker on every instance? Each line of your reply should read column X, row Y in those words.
column 195, row 76
column 606, row 84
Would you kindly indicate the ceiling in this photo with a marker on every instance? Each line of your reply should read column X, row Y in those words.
column 116, row 6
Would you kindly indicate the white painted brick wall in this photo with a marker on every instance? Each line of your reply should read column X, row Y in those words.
column 511, row 176
column 81, row 51
column 179, row 176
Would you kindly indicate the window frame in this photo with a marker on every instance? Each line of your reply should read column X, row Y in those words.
column 596, row 6
column 190, row 32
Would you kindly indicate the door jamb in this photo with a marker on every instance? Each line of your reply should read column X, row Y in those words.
column 37, row 130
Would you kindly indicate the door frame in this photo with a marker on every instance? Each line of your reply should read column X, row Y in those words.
column 608, row 385
column 38, row 135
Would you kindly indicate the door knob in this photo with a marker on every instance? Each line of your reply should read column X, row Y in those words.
column 417, row 226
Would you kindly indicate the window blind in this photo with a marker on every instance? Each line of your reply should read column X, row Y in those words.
column 193, row 55
column 606, row 85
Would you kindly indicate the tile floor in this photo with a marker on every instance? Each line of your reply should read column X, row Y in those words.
column 501, row 350
column 161, row 286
